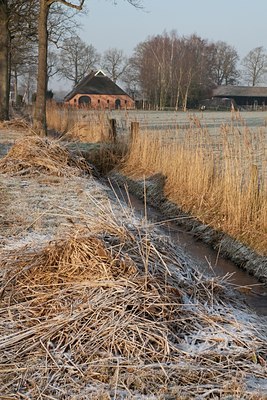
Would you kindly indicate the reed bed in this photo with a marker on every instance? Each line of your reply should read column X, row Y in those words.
column 79, row 124
column 34, row 155
column 219, row 179
column 114, row 310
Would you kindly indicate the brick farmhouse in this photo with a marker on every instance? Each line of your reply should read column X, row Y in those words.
column 98, row 92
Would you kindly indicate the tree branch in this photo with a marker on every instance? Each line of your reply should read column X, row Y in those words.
column 135, row 3
column 67, row 3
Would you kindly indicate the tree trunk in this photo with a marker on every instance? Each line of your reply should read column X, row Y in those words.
column 178, row 90
column 40, row 105
column 76, row 71
column 187, row 90
column 177, row 98
column 4, row 44
column 16, row 100
column 185, row 99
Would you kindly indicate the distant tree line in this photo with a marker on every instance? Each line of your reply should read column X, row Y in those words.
column 165, row 70
column 168, row 70
column 40, row 39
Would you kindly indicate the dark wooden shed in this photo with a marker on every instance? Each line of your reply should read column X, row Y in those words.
column 248, row 97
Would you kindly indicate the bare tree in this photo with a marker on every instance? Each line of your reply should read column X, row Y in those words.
column 11, row 7
column 18, row 26
column 224, row 64
column 77, row 59
column 28, row 84
column 4, row 46
column 23, row 59
column 192, row 67
column 61, row 24
column 23, row 62
column 52, row 63
column 171, row 70
column 152, row 61
column 22, row 26
column 22, row 17
column 40, row 106
column 255, row 66
column 115, row 63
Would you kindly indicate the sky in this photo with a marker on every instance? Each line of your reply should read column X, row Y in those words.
column 239, row 23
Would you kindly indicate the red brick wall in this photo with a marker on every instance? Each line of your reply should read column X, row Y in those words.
column 105, row 102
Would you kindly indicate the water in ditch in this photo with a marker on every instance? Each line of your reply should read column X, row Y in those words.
column 206, row 258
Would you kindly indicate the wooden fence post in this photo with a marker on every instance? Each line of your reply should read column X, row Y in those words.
column 134, row 130
column 112, row 130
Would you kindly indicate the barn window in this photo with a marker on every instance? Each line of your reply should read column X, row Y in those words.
column 108, row 101
column 98, row 101
column 84, row 101
column 125, row 101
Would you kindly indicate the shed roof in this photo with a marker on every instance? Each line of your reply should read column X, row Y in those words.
column 239, row 91
column 96, row 83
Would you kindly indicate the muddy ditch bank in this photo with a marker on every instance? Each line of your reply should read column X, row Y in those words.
column 218, row 252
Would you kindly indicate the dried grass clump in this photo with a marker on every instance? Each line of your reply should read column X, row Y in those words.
column 16, row 123
column 35, row 155
column 70, row 260
column 119, row 313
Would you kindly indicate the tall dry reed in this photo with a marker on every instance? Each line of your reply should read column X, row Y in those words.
column 221, row 178
column 81, row 124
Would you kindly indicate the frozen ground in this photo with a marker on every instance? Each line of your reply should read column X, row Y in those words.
column 172, row 119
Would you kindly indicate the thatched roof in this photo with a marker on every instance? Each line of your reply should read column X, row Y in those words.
column 96, row 83
column 240, row 91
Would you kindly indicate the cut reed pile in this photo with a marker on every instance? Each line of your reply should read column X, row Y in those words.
column 34, row 155
column 116, row 311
